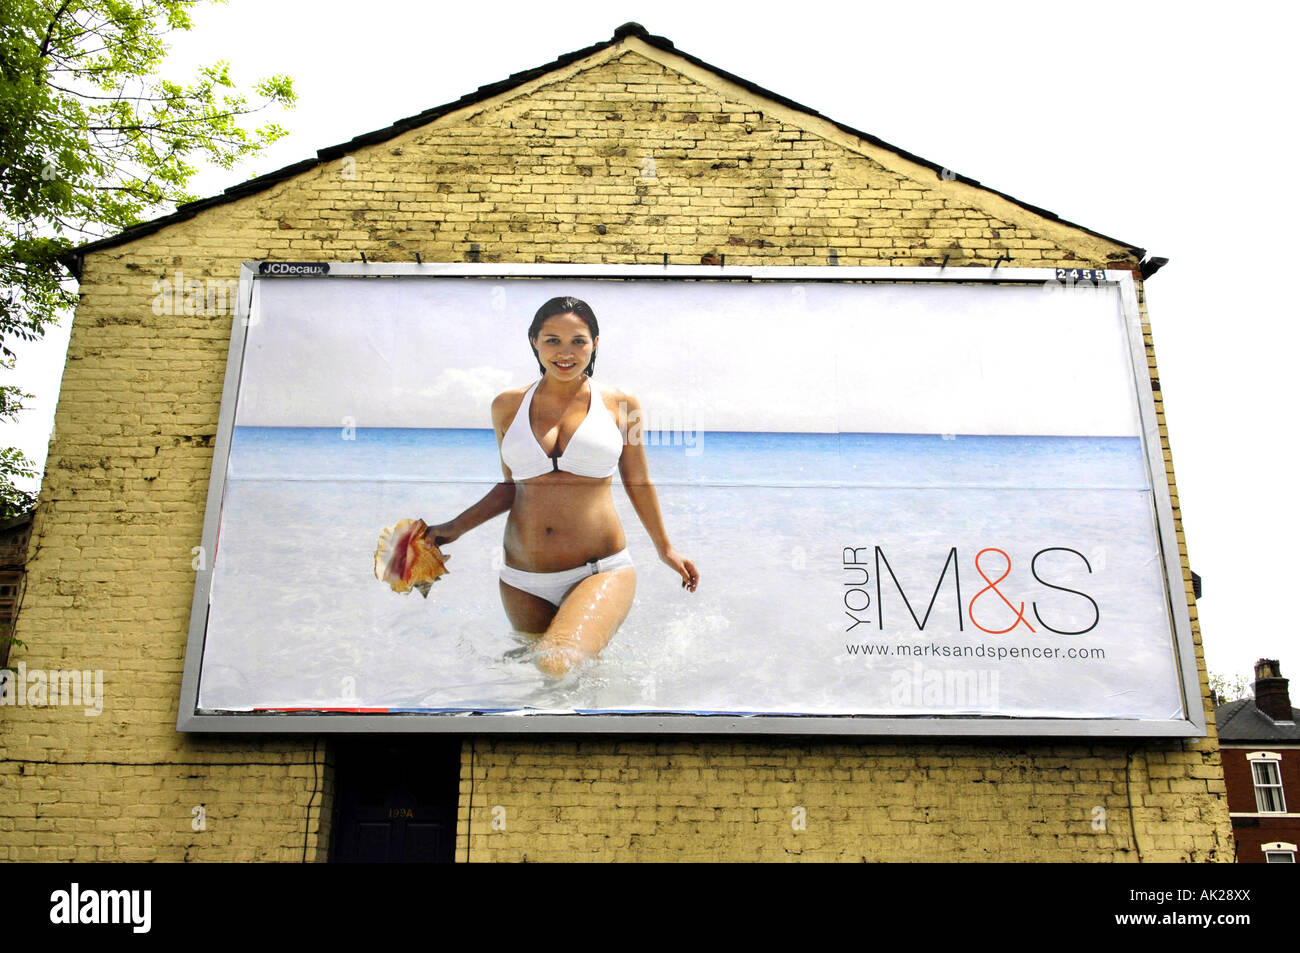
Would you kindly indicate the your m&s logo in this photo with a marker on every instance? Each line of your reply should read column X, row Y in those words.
column 987, row 605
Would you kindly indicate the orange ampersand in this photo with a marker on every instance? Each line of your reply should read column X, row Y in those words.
column 993, row 584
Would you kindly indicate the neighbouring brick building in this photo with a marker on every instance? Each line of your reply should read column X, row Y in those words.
column 545, row 166
column 1260, row 741
column 15, row 535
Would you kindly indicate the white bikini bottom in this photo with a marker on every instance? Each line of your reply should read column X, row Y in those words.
column 554, row 586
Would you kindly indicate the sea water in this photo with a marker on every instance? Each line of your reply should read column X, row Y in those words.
column 297, row 618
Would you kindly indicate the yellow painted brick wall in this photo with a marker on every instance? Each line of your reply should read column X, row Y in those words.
column 619, row 158
column 836, row 801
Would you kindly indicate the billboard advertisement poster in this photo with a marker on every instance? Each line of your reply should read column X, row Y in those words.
column 866, row 505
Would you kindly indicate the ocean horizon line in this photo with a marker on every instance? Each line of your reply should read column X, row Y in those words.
column 811, row 433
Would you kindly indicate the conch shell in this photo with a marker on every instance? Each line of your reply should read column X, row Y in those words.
column 406, row 560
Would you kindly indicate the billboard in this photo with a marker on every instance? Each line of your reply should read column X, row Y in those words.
column 688, row 500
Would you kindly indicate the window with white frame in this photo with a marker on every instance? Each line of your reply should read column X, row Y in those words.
column 1266, row 772
column 1278, row 852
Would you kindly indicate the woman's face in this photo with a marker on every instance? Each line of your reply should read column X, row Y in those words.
column 564, row 346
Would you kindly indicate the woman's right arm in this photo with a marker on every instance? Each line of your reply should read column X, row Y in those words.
column 497, row 500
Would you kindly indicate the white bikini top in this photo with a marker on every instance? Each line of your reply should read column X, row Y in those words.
column 592, row 451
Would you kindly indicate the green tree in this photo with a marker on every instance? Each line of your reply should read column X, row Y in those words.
column 92, row 141
column 1230, row 688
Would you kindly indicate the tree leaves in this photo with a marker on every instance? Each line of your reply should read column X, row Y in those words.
column 93, row 141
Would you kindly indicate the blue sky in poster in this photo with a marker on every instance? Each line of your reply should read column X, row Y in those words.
column 706, row 356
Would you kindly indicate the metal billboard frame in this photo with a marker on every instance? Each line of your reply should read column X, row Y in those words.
column 1192, row 725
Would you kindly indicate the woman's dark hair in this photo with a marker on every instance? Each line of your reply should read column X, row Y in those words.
column 564, row 306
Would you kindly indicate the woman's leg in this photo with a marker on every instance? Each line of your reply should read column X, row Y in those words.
column 586, row 620
column 527, row 613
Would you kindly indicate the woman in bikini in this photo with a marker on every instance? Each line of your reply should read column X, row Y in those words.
column 568, row 580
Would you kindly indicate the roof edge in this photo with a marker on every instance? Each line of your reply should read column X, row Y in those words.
column 73, row 258
column 943, row 171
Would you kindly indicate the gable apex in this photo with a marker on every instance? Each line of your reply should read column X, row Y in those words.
column 628, row 36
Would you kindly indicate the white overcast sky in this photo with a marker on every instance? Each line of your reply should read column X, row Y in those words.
column 1166, row 125
column 709, row 356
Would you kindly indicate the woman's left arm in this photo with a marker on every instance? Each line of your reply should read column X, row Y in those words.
column 634, row 470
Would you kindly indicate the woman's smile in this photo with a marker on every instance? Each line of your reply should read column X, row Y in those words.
column 565, row 345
